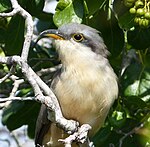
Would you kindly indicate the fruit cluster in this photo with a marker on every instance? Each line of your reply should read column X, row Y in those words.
column 141, row 10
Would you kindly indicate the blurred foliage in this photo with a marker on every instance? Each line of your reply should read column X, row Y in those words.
column 127, row 42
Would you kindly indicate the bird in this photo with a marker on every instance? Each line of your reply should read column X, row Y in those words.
column 86, row 86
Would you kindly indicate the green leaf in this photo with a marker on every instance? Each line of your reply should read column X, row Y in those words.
column 4, row 5
column 94, row 5
column 118, row 119
column 20, row 113
column 125, row 19
column 102, row 136
column 39, row 4
column 141, row 86
column 24, row 92
column 15, row 35
column 68, row 11
column 45, row 23
column 139, row 38
column 62, row 4
column 110, row 32
column 3, row 27
column 134, row 103
column 147, row 59
column 136, row 90
column 35, row 7
column 9, row 111
column 44, row 16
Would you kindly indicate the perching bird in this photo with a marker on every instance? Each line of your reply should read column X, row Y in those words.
column 86, row 86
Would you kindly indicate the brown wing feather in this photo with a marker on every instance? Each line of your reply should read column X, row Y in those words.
column 42, row 125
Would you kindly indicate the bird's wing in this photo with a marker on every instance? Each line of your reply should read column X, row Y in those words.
column 42, row 125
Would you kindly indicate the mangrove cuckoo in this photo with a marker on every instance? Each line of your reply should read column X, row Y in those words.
column 86, row 86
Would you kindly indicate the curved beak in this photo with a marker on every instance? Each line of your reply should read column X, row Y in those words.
column 52, row 33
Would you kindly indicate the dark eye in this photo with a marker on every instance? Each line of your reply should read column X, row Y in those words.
column 78, row 37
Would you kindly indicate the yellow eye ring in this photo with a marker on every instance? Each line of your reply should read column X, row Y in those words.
column 78, row 37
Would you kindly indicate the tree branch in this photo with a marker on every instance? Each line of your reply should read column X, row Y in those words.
column 16, row 85
column 49, row 100
column 81, row 136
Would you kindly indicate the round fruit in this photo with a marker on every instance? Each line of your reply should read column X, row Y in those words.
column 137, row 19
column 141, row 22
column 147, row 15
column 132, row 10
column 139, row 3
column 145, row 23
column 140, row 11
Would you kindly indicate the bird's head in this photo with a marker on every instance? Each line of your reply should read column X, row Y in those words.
column 75, row 38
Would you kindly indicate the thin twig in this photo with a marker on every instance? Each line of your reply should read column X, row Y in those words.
column 49, row 70
column 8, row 74
column 129, row 133
column 16, row 85
column 10, row 14
column 3, row 99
